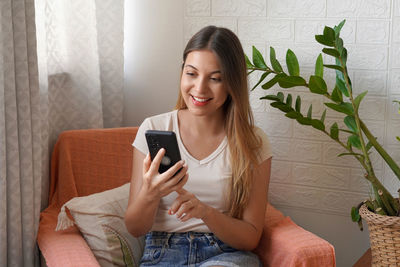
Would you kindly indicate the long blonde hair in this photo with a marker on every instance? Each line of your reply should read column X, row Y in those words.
column 239, row 123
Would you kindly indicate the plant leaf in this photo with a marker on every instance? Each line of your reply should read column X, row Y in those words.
column 334, row 132
column 336, row 67
column 281, row 106
column 309, row 112
column 292, row 63
column 342, row 86
column 358, row 99
column 304, row 121
column 338, row 28
column 355, row 141
column 351, row 124
column 291, row 81
column 272, row 82
column 317, row 85
column 274, row 62
column 329, row 34
column 262, row 78
column 248, row 62
column 344, row 56
column 298, row 104
column 339, row 73
column 270, row 97
column 331, row 52
column 319, row 66
column 258, row 59
column 281, row 96
column 322, row 40
column 323, row 116
column 293, row 114
column 339, row 44
column 337, row 95
column 289, row 100
column 317, row 124
column 355, row 216
column 345, row 108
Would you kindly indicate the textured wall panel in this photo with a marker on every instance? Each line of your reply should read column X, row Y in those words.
column 293, row 9
column 372, row 31
column 194, row 24
column 197, row 7
column 306, row 171
column 239, row 8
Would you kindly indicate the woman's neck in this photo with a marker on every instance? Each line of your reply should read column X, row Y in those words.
column 201, row 125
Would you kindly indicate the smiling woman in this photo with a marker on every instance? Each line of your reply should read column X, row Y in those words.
column 223, row 180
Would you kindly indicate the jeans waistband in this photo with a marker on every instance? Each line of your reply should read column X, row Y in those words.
column 175, row 236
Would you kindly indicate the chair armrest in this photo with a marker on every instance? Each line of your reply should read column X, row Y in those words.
column 63, row 248
column 287, row 244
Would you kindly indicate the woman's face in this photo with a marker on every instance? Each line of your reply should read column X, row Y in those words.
column 202, row 85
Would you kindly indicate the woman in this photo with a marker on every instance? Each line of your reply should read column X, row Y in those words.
column 209, row 208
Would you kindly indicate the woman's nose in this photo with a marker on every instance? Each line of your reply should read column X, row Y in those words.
column 201, row 85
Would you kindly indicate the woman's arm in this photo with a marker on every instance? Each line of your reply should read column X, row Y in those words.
column 241, row 234
column 148, row 187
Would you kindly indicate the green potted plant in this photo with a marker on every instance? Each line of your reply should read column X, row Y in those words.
column 358, row 138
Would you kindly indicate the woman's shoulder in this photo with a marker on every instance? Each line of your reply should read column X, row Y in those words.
column 260, row 133
column 265, row 150
column 164, row 121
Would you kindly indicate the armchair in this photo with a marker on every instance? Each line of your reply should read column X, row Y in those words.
column 90, row 161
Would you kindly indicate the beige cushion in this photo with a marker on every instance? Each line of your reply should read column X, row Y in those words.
column 100, row 219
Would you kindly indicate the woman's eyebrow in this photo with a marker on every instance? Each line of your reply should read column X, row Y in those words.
column 193, row 67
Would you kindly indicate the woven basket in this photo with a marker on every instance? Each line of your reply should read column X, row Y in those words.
column 384, row 235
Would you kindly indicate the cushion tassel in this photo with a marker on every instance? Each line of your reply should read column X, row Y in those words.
column 63, row 221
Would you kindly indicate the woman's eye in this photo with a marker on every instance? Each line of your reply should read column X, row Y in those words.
column 190, row 73
column 216, row 79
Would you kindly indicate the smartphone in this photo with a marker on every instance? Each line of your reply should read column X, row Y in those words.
column 167, row 140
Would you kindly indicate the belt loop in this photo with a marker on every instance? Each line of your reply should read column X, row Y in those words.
column 210, row 238
column 167, row 239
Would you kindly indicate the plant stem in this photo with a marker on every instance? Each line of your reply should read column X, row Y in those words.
column 389, row 160
column 265, row 70
column 389, row 204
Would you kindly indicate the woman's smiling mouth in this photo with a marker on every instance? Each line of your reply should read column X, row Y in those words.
column 200, row 101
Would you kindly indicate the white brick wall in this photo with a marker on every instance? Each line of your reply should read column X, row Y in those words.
column 306, row 172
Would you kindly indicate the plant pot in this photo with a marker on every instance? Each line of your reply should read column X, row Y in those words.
column 384, row 235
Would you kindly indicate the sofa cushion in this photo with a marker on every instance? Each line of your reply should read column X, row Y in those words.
column 100, row 219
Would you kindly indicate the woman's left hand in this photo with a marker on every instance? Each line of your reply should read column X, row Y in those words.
column 187, row 206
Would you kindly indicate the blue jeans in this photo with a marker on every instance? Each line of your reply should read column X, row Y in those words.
column 193, row 249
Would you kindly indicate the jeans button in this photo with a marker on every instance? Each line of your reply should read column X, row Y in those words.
column 191, row 235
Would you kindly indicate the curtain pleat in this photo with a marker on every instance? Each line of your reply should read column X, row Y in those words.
column 58, row 70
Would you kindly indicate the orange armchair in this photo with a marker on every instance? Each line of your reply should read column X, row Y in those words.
column 90, row 161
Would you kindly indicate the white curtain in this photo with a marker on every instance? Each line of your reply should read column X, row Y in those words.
column 64, row 72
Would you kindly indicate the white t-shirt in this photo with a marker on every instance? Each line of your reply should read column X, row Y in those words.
column 208, row 178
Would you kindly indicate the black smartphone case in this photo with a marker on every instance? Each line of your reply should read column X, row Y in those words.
column 163, row 139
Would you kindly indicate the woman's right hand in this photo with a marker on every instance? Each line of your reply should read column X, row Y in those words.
column 160, row 185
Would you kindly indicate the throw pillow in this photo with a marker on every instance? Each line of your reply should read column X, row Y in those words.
column 100, row 219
